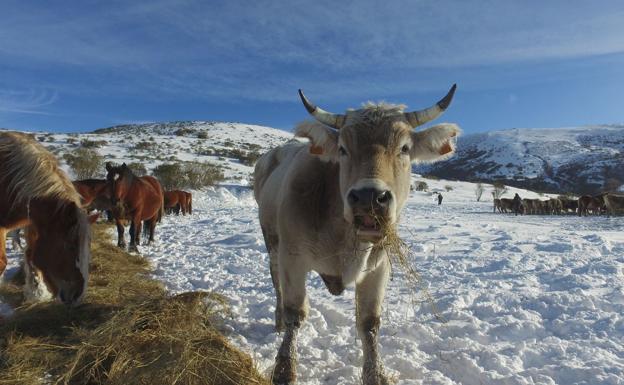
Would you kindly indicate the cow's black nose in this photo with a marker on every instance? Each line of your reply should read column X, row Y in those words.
column 367, row 198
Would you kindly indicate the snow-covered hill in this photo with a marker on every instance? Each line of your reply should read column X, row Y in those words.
column 580, row 160
column 223, row 144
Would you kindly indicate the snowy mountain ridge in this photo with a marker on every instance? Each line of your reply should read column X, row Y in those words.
column 576, row 159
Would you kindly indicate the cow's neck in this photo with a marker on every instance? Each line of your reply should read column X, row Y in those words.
column 355, row 253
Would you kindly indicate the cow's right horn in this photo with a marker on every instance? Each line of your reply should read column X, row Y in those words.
column 327, row 118
column 418, row 118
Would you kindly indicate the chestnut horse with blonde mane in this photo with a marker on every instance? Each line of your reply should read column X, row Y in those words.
column 135, row 199
column 35, row 193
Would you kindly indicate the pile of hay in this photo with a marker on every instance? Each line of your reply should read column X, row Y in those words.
column 128, row 331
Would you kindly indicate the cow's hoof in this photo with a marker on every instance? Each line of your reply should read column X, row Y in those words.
column 133, row 249
column 121, row 245
column 284, row 371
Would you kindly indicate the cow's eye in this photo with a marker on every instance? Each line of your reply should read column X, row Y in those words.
column 342, row 151
column 405, row 150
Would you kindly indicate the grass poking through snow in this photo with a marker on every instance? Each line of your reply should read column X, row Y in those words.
column 128, row 331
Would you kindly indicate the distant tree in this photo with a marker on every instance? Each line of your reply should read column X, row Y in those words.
column 499, row 190
column 169, row 175
column 422, row 186
column 137, row 168
column 193, row 175
column 479, row 191
column 85, row 163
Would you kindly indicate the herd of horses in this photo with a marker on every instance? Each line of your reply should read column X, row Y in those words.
column 601, row 204
column 38, row 196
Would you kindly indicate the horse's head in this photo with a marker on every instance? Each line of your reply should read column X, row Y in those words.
column 119, row 179
column 59, row 247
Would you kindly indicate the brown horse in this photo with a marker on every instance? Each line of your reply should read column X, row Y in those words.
column 177, row 201
column 183, row 200
column 172, row 202
column 36, row 193
column 136, row 199
column 189, row 202
column 95, row 195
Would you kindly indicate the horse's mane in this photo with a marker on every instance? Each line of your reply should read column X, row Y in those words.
column 30, row 171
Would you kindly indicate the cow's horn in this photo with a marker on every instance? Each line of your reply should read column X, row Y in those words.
column 332, row 120
column 418, row 118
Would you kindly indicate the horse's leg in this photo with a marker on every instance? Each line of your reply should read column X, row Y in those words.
column 292, row 281
column 369, row 294
column 135, row 234
column 152, row 229
column 3, row 256
column 121, row 242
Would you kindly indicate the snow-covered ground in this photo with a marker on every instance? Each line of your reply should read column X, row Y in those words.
column 518, row 300
column 513, row 300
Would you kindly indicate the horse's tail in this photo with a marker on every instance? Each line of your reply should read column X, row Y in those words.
column 161, row 210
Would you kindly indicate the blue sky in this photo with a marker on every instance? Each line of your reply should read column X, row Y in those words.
column 78, row 66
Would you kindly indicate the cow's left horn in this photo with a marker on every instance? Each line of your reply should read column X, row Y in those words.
column 418, row 118
column 332, row 120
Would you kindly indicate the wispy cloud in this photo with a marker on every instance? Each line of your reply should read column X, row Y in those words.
column 29, row 101
column 264, row 50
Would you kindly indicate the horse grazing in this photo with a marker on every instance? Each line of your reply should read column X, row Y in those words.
column 135, row 199
column 36, row 193
column 177, row 201
column 326, row 206
column 95, row 194
column 172, row 202
column 497, row 205
column 614, row 203
column 189, row 202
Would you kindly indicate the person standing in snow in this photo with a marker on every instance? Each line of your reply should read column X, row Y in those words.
column 439, row 199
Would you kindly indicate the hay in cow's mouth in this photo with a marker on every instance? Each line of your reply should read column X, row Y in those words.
column 369, row 227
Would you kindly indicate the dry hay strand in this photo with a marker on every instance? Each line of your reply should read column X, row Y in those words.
column 162, row 341
column 400, row 254
column 128, row 331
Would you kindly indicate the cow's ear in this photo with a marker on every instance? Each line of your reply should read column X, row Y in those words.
column 435, row 143
column 323, row 139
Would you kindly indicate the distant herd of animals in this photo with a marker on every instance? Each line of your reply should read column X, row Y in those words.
column 325, row 206
column 601, row 204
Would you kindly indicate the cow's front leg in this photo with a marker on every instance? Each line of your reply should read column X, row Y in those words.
column 369, row 297
column 292, row 282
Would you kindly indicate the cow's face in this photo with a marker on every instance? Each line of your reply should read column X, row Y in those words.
column 375, row 147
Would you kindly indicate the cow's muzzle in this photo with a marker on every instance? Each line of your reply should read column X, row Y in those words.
column 370, row 209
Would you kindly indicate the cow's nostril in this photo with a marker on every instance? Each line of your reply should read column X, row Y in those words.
column 352, row 198
column 383, row 197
